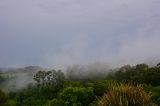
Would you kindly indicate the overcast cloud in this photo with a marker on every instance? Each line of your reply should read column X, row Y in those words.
column 58, row 33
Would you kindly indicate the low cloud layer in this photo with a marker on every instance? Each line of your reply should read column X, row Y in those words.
column 60, row 33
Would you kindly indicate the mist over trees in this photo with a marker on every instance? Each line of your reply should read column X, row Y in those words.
column 13, row 79
column 90, row 85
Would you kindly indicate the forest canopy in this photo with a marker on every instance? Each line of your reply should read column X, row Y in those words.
column 76, row 87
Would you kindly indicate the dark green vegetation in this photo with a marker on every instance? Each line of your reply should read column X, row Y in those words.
column 127, row 86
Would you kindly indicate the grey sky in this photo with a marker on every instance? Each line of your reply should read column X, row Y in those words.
column 57, row 33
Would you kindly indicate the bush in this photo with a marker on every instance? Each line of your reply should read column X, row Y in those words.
column 102, row 86
column 125, row 95
column 75, row 96
column 56, row 102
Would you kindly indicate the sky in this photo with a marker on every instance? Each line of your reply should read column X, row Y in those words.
column 58, row 33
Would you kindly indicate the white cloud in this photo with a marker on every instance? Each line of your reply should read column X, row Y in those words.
column 88, row 30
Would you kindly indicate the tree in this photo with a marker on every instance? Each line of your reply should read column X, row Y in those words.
column 158, row 64
column 39, row 77
column 142, row 67
column 52, row 77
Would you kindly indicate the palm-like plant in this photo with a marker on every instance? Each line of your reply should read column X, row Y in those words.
column 125, row 95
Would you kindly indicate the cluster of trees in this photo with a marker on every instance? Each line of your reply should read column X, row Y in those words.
column 127, row 86
column 140, row 73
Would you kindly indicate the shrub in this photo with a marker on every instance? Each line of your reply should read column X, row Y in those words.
column 125, row 95
column 102, row 86
column 75, row 96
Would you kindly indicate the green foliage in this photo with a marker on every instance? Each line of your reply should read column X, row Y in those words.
column 101, row 86
column 40, row 77
column 56, row 102
column 81, row 88
column 139, row 74
column 75, row 96
column 73, row 84
column 152, row 76
column 124, row 73
column 49, row 84
column 125, row 95
column 4, row 99
column 155, row 93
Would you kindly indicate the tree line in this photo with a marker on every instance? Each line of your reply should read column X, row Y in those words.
column 126, row 86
